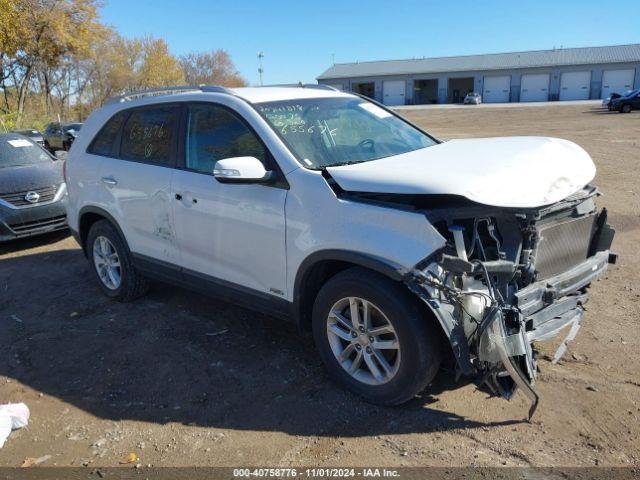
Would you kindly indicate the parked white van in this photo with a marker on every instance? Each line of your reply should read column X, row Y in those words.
column 396, row 250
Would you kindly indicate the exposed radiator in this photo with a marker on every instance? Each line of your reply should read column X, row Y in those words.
column 563, row 244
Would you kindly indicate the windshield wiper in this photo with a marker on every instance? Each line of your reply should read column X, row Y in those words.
column 341, row 164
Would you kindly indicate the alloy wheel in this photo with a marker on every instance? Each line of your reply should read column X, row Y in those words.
column 107, row 263
column 363, row 341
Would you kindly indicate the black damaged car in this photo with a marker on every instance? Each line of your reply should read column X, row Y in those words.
column 33, row 194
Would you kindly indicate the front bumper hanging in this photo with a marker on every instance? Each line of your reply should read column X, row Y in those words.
column 500, row 350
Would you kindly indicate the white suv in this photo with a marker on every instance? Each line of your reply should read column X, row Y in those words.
column 398, row 251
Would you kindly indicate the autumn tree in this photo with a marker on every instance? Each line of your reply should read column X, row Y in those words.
column 211, row 68
column 12, row 31
column 52, row 29
column 57, row 57
column 159, row 68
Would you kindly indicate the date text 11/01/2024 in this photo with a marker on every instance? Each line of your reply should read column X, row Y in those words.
column 316, row 472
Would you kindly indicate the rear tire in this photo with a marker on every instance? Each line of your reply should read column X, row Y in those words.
column 626, row 108
column 111, row 263
column 408, row 370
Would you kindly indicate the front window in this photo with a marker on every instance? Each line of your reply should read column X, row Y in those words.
column 17, row 151
column 325, row 132
column 215, row 133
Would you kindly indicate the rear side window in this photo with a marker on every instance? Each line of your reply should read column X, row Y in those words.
column 105, row 142
column 215, row 133
column 149, row 135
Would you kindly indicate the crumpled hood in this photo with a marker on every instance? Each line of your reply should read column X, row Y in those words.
column 519, row 172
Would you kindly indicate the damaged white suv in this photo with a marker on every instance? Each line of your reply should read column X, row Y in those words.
column 395, row 249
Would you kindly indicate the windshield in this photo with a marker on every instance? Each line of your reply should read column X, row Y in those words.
column 324, row 132
column 73, row 126
column 17, row 151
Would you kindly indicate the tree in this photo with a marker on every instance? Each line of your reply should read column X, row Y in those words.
column 159, row 68
column 56, row 57
column 211, row 68
column 112, row 68
column 55, row 28
column 12, row 30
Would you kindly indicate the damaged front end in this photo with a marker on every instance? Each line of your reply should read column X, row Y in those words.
column 509, row 277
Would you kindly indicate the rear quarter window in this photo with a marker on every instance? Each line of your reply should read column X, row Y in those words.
column 105, row 141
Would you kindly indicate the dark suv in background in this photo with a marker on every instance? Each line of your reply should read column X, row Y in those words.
column 60, row 136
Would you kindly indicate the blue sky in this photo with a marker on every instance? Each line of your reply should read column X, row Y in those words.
column 300, row 37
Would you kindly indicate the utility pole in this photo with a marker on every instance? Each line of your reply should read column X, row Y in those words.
column 333, row 59
column 260, row 69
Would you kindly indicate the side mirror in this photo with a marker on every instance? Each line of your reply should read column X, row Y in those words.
column 61, row 154
column 241, row 170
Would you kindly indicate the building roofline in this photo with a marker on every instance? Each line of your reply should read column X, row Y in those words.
column 447, row 57
column 561, row 49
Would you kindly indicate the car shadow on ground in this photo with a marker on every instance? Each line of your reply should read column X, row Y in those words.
column 176, row 356
column 602, row 111
column 19, row 244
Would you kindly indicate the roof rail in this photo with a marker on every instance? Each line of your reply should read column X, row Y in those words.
column 318, row 86
column 154, row 92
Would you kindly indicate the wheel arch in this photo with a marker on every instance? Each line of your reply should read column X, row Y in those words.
column 320, row 266
column 89, row 215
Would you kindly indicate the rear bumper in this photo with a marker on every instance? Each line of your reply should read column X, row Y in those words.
column 37, row 220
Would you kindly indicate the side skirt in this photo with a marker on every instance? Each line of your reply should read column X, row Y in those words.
column 212, row 286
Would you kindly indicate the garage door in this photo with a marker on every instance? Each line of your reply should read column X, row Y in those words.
column 393, row 91
column 496, row 89
column 534, row 87
column 617, row 81
column 575, row 85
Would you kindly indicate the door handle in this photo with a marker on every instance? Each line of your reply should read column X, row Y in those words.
column 109, row 181
column 178, row 196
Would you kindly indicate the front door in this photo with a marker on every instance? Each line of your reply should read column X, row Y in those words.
column 229, row 233
column 138, row 181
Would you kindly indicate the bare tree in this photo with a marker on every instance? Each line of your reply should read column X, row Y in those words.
column 212, row 68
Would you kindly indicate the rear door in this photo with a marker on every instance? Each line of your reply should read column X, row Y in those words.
column 138, row 182
column 231, row 234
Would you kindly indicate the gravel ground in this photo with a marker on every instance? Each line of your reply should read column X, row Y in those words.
column 179, row 379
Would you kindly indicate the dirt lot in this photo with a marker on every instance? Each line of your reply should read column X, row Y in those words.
column 181, row 379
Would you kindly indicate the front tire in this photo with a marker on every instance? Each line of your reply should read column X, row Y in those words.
column 374, row 337
column 111, row 263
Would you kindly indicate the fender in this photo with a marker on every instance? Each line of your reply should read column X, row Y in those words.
column 103, row 213
column 385, row 267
